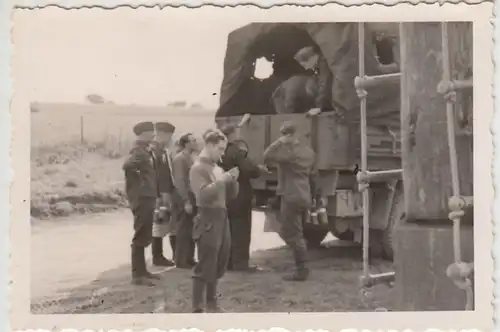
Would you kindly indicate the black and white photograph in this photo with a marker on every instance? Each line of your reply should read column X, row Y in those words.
column 253, row 164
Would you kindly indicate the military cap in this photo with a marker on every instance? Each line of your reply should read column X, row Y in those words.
column 228, row 128
column 288, row 128
column 142, row 127
column 165, row 127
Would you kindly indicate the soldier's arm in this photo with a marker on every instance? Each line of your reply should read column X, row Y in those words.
column 202, row 185
column 325, row 79
column 247, row 167
column 316, row 189
column 278, row 152
column 181, row 177
column 135, row 161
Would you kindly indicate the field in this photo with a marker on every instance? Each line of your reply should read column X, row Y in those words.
column 78, row 150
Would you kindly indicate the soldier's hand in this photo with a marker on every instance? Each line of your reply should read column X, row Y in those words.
column 188, row 207
column 234, row 172
column 314, row 112
column 263, row 168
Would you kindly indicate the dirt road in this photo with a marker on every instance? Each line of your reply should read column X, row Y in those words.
column 81, row 265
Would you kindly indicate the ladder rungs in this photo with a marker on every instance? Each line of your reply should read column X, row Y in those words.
column 367, row 82
column 449, row 86
column 375, row 279
column 368, row 176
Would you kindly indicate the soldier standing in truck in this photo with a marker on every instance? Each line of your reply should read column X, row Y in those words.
column 212, row 187
column 297, row 183
column 311, row 59
column 141, row 187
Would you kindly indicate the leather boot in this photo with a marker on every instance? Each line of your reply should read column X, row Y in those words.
column 138, row 268
column 198, row 295
column 301, row 272
column 212, row 298
column 157, row 251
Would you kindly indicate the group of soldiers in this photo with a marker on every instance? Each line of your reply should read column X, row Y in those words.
column 204, row 200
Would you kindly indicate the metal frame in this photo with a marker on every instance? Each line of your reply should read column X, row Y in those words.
column 458, row 271
column 364, row 177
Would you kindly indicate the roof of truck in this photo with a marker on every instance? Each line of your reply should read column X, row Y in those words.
column 256, row 40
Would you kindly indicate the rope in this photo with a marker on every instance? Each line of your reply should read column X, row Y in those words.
column 363, row 187
column 458, row 271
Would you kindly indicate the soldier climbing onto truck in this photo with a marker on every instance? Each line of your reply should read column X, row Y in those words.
column 297, row 185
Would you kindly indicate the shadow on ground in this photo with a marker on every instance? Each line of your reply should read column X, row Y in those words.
column 333, row 286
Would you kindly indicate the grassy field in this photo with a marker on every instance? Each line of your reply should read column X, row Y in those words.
column 78, row 151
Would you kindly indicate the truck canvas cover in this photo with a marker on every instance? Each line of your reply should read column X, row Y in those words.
column 242, row 93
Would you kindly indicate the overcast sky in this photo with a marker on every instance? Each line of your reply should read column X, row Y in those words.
column 145, row 56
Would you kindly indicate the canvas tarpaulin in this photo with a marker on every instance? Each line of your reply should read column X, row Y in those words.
column 278, row 42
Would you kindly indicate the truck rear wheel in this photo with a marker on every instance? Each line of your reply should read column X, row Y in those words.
column 338, row 228
column 397, row 213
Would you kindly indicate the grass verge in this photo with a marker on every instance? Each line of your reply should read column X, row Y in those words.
column 75, row 178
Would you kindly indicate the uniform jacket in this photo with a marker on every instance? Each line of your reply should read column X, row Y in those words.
column 237, row 156
column 297, row 174
column 210, row 191
column 181, row 165
column 324, row 84
column 295, row 95
column 140, row 173
column 164, row 168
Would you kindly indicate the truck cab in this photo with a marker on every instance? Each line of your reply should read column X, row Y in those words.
column 335, row 140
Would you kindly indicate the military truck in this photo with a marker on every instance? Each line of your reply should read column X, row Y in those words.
column 336, row 140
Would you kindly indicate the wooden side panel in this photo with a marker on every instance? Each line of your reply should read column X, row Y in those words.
column 334, row 143
column 254, row 134
column 426, row 160
column 421, row 256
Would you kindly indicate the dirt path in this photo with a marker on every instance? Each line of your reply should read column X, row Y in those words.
column 81, row 264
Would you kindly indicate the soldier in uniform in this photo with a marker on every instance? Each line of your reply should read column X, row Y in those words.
column 297, row 183
column 185, row 203
column 211, row 187
column 142, row 191
column 163, row 224
column 240, row 208
column 312, row 59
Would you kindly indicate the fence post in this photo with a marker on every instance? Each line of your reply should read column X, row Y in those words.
column 81, row 129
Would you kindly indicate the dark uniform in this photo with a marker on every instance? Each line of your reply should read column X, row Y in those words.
column 297, row 173
column 295, row 95
column 323, row 78
column 211, row 229
column 240, row 208
column 142, row 190
column 166, row 191
column 185, row 246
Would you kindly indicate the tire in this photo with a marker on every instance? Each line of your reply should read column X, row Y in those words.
column 345, row 235
column 397, row 213
column 314, row 236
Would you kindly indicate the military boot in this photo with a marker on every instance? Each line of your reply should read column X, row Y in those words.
column 301, row 271
column 212, row 298
column 157, row 251
column 199, row 287
column 138, row 268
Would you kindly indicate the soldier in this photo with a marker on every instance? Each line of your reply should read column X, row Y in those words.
column 297, row 180
column 312, row 59
column 295, row 95
column 185, row 203
column 211, row 187
column 142, row 191
column 240, row 209
column 163, row 224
